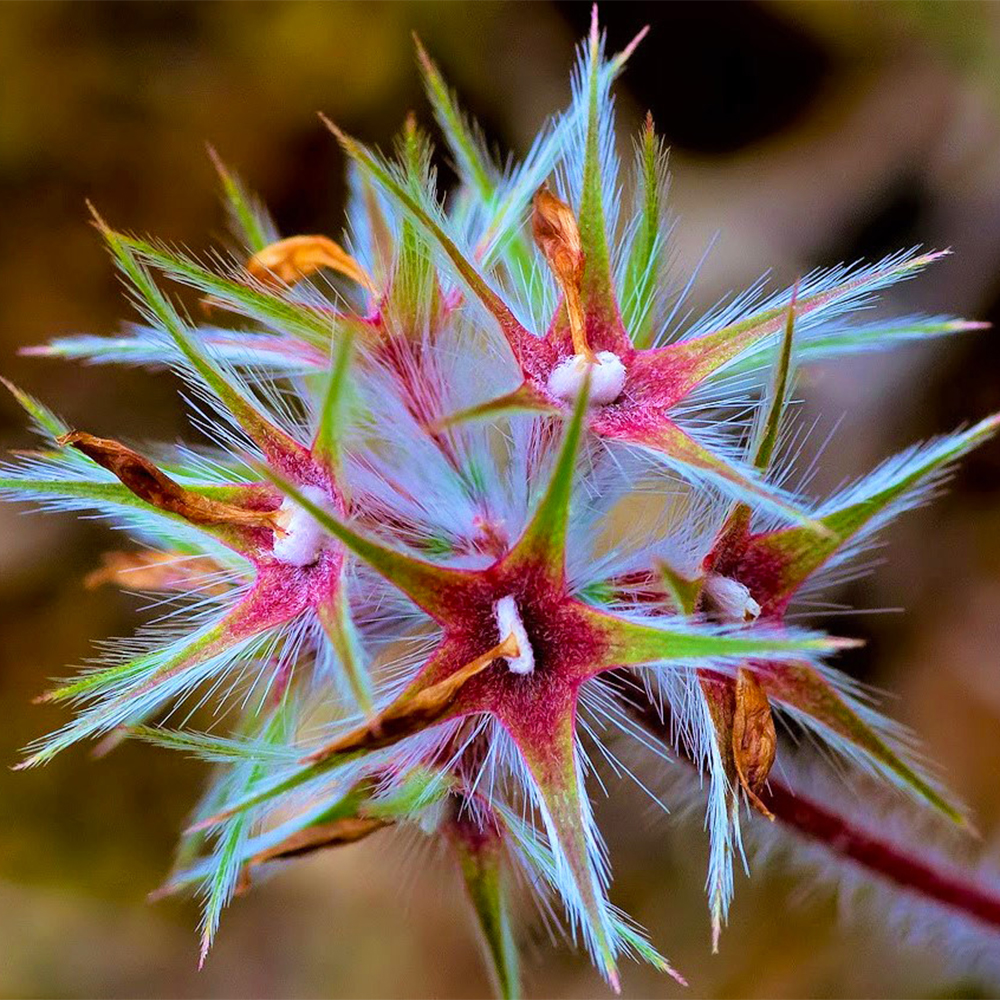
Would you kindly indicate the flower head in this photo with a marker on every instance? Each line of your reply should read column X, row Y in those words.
column 402, row 565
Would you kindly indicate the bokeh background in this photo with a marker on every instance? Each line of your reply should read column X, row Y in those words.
column 806, row 133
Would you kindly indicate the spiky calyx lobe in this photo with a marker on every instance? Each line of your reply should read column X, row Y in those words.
column 476, row 837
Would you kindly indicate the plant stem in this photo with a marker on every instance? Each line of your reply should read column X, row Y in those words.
column 842, row 836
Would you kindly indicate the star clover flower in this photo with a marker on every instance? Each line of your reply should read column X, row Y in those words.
column 478, row 496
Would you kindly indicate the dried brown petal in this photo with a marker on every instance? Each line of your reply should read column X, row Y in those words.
column 148, row 483
column 295, row 258
column 409, row 715
column 156, row 571
column 557, row 235
column 754, row 739
column 347, row 830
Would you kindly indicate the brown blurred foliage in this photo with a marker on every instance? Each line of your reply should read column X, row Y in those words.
column 806, row 132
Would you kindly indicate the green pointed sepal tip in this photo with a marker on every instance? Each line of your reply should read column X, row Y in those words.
column 683, row 592
column 633, row 644
column 544, row 539
column 619, row 59
column 424, row 703
column 703, row 356
column 327, row 444
column 771, row 426
column 738, row 522
column 126, row 681
column 679, row 447
column 474, row 168
column 228, row 856
column 524, row 399
column 45, row 419
column 642, row 276
column 481, row 860
column 335, row 617
column 804, row 550
column 597, row 284
column 552, row 761
column 238, row 203
column 99, row 493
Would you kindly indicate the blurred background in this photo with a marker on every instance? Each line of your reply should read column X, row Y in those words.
column 805, row 133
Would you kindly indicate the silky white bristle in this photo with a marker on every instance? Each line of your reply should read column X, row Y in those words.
column 509, row 621
column 607, row 379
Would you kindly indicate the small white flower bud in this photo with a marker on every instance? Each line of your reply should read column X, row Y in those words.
column 607, row 379
column 509, row 621
column 731, row 599
column 301, row 538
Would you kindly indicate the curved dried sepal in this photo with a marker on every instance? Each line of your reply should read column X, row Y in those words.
column 288, row 261
column 347, row 830
column 557, row 236
column 412, row 712
column 146, row 569
column 755, row 741
column 285, row 317
column 157, row 489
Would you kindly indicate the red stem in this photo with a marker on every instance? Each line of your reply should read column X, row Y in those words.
column 840, row 836
column 889, row 860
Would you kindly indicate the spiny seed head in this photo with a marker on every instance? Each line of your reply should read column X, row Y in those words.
column 412, row 525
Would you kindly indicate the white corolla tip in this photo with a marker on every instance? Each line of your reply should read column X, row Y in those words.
column 508, row 622
column 607, row 379
column 301, row 537
column 731, row 598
